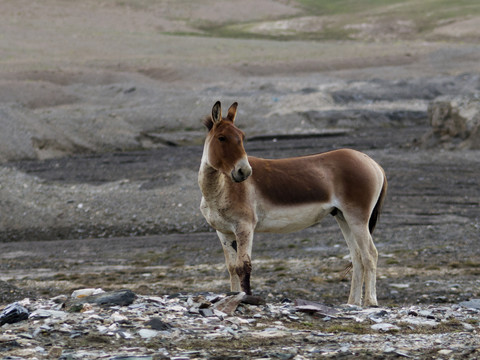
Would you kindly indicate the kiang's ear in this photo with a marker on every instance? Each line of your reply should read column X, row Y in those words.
column 232, row 112
column 217, row 112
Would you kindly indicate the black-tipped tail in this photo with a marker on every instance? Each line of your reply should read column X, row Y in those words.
column 378, row 206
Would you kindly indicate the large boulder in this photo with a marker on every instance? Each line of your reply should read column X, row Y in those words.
column 455, row 122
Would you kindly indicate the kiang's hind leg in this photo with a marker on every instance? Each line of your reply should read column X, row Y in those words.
column 369, row 259
column 355, row 297
column 229, row 244
column 364, row 259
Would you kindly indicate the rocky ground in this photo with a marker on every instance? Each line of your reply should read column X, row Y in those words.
column 100, row 145
column 121, row 325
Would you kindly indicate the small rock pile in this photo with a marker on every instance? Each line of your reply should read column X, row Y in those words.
column 455, row 122
column 93, row 324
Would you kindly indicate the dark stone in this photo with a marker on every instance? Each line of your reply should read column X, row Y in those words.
column 157, row 324
column 206, row 312
column 13, row 313
column 381, row 313
column 120, row 297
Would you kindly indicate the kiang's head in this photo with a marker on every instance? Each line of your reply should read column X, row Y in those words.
column 224, row 149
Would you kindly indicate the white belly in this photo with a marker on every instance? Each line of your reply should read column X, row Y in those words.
column 289, row 219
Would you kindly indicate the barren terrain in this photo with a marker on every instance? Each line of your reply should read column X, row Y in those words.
column 101, row 106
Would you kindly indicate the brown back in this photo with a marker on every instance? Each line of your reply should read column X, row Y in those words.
column 289, row 181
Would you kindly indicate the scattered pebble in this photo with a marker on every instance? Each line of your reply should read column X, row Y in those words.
column 81, row 293
column 169, row 325
column 473, row 304
column 385, row 327
column 13, row 313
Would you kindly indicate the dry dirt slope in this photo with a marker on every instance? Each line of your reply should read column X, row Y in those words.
column 97, row 76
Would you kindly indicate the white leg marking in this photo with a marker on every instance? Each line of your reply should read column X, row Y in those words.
column 227, row 241
column 369, row 259
column 364, row 260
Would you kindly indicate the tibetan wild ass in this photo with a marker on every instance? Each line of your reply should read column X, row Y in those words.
column 245, row 194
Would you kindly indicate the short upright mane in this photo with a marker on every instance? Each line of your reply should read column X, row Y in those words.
column 208, row 122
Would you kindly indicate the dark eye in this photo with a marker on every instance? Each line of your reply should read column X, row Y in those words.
column 222, row 138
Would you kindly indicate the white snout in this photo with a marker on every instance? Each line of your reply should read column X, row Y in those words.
column 242, row 170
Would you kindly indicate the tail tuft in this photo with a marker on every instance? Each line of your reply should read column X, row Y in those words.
column 378, row 206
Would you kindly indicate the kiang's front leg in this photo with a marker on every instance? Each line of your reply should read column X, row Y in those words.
column 243, row 266
column 229, row 245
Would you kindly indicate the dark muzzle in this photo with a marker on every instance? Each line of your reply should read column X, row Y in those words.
column 242, row 171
